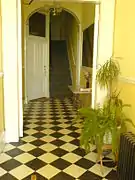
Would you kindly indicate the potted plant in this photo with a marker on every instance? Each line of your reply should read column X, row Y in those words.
column 114, row 107
column 106, row 76
column 107, row 120
column 99, row 123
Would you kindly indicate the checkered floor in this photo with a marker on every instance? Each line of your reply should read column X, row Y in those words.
column 50, row 147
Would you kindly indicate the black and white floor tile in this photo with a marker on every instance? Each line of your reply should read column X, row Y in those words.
column 50, row 147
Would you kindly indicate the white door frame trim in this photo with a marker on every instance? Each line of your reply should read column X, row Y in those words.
column 48, row 51
column 20, row 97
column 12, row 64
column 95, row 54
column 25, row 73
column 79, row 55
column 105, row 42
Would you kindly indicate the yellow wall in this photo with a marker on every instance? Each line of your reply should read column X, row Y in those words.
column 88, row 14
column 1, row 81
column 128, row 96
column 124, row 46
column 124, row 39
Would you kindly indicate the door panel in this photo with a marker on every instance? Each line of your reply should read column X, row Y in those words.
column 36, row 76
column 37, row 64
column 37, row 25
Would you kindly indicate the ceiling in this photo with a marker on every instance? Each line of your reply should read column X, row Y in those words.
column 80, row 1
column 30, row 1
column 26, row 1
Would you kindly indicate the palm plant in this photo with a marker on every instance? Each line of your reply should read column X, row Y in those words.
column 107, row 74
column 98, row 122
column 108, row 119
column 114, row 109
column 94, row 127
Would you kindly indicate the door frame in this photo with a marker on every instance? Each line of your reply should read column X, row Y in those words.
column 47, row 31
column 79, row 49
column 13, row 73
column 12, row 68
column 79, row 55
column 95, row 53
column 103, row 44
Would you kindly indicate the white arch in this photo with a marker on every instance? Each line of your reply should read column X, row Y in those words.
column 78, row 44
column 63, row 8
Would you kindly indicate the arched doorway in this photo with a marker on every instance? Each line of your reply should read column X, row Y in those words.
column 39, row 81
column 63, row 28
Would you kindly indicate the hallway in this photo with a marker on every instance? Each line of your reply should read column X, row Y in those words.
column 50, row 147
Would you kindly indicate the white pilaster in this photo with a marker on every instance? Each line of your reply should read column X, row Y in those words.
column 10, row 67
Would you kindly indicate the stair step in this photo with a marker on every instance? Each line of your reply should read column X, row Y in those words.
column 59, row 71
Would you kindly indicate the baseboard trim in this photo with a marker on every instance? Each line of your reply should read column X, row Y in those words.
column 2, row 141
column 25, row 100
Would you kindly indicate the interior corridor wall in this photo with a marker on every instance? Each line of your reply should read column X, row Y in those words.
column 124, row 47
column 88, row 14
column 58, row 23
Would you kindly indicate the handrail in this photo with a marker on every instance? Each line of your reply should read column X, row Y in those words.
column 72, row 50
column 71, row 59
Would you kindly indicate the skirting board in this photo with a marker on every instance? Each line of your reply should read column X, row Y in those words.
column 25, row 100
column 2, row 141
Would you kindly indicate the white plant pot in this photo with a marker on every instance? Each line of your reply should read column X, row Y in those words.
column 107, row 138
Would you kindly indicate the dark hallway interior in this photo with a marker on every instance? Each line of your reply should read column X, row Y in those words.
column 60, row 77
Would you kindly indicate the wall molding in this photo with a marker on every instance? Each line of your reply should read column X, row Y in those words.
column 125, row 79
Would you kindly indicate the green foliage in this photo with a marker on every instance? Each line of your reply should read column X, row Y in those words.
column 93, row 127
column 103, row 120
column 114, row 106
column 108, row 73
column 108, row 119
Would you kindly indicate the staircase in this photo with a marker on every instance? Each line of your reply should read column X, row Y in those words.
column 60, row 77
